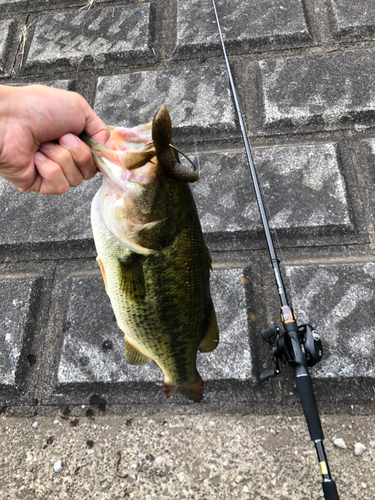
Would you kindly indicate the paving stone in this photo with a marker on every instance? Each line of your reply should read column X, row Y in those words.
column 318, row 212
column 324, row 92
column 353, row 20
column 91, row 38
column 197, row 98
column 338, row 300
column 245, row 25
column 17, row 320
column 232, row 358
column 31, row 5
column 14, row 311
column 7, row 30
column 227, row 204
column 93, row 346
column 31, row 222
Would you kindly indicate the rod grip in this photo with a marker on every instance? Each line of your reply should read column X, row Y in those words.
column 307, row 397
column 330, row 490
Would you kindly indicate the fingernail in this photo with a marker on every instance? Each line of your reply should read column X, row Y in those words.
column 68, row 140
column 47, row 145
column 39, row 156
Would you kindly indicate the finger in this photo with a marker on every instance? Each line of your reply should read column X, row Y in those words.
column 81, row 155
column 53, row 178
column 94, row 126
column 63, row 157
column 102, row 137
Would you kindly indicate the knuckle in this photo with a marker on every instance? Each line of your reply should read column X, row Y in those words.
column 62, row 188
column 89, row 175
column 54, row 169
column 77, row 181
column 84, row 156
column 62, row 155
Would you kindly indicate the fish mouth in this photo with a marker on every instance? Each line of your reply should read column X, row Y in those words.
column 126, row 149
column 131, row 148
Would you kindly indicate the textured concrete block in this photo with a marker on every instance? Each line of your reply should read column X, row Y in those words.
column 7, row 31
column 93, row 347
column 113, row 35
column 338, row 300
column 22, row 315
column 14, row 314
column 245, row 25
column 232, row 358
column 92, row 355
column 353, row 20
column 324, row 92
column 198, row 100
column 318, row 212
column 31, row 223
column 229, row 211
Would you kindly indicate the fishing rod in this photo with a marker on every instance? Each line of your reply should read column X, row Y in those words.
column 299, row 346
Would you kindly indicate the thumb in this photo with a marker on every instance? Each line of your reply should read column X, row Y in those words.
column 101, row 137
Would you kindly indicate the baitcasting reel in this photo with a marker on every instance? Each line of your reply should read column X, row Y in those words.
column 282, row 348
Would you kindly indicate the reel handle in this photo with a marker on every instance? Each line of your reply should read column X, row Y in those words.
column 268, row 374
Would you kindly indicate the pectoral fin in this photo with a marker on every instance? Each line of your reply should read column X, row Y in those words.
column 211, row 339
column 103, row 274
column 133, row 356
column 132, row 281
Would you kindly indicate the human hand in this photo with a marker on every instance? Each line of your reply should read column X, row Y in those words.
column 39, row 146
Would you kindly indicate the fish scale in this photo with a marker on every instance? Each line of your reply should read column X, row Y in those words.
column 157, row 276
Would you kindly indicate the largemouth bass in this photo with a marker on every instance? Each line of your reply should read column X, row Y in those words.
column 151, row 253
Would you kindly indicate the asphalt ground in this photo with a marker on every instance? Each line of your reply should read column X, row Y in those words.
column 169, row 456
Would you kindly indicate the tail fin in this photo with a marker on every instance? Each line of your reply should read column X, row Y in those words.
column 192, row 390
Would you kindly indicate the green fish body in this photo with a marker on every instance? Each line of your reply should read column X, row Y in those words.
column 152, row 255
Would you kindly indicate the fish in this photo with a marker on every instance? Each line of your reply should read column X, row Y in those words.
column 151, row 252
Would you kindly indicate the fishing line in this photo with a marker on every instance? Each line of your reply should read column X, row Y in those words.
column 89, row 14
column 178, row 151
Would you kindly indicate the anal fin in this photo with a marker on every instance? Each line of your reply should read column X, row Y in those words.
column 133, row 356
column 211, row 339
column 132, row 281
